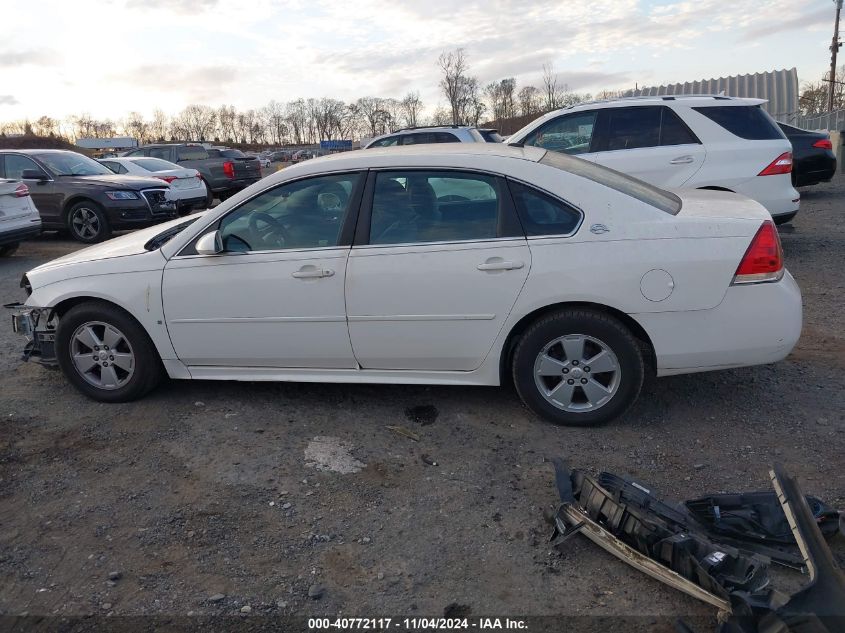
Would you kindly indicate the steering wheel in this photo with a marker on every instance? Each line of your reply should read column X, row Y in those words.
column 274, row 228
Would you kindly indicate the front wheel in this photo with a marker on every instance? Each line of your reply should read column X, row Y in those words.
column 87, row 222
column 578, row 367
column 105, row 353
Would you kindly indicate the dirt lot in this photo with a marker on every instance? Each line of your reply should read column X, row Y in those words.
column 260, row 493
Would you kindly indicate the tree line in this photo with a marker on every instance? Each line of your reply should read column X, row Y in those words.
column 307, row 121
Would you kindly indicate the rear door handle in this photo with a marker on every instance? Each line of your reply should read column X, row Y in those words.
column 312, row 272
column 682, row 160
column 500, row 265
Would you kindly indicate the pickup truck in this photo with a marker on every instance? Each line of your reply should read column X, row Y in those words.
column 225, row 172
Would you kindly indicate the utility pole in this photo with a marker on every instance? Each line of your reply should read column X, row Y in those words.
column 834, row 48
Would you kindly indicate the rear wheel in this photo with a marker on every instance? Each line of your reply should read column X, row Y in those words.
column 578, row 367
column 105, row 353
column 87, row 222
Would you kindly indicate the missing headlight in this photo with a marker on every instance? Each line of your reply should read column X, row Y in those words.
column 26, row 285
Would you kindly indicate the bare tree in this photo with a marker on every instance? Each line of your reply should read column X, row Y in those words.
column 551, row 91
column 45, row 126
column 135, row 126
column 411, row 109
column 529, row 100
column 375, row 116
column 453, row 83
column 159, row 126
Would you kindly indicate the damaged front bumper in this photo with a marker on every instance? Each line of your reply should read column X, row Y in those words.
column 39, row 327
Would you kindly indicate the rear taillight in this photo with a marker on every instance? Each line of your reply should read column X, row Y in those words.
column 198, row 175
column 781, row 165
column 167, row 179
column 229, row 169
column 21, row 191
column 824, row 143
column 763, row 261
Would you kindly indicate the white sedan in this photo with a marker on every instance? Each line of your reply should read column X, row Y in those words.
column 187, row 188
column 468, row 264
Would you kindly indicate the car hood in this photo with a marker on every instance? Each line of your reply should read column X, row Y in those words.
column 89, row 261
column 120, row 181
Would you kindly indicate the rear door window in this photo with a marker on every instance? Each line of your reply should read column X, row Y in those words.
column 632, row 128
column 569, row 134
column 191, row 152
column 748, row 122
column 160, row 152
column 412, row 207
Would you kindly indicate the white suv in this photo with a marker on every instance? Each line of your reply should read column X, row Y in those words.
column 19, row 219
column 430, row 134
column 693, row 142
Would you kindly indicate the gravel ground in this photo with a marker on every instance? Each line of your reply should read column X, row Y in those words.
column 297, row 499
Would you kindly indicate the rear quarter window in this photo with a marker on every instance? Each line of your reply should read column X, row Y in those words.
column 748, row 122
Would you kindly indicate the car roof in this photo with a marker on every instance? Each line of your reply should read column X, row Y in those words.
column 387, row 156
column 42, row 151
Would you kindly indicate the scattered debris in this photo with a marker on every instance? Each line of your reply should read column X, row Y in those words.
column 332, row 454
column 217, row 597
column 423, row 414
column 199, row 403
column 428, row 460
column 623, row 518
column 115, row 575
column 315, row 592
column 246, row 609
column 401, row 430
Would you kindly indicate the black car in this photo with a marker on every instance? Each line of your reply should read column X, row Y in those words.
column 75, row 193
column 813, row 160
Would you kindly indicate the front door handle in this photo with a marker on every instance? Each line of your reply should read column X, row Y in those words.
column 500, row 265
column 312, row 272
column 682, row 160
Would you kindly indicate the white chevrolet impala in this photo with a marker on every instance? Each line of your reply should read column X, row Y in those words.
column 468, row 264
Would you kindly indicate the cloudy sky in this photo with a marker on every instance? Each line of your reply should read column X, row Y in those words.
column 107, row 57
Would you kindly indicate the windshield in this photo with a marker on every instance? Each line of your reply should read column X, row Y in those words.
column 73, row 164
column 642, row 191
column 155, row 164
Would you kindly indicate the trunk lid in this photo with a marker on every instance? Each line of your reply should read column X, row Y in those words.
column 12, row 206
column 719, row 205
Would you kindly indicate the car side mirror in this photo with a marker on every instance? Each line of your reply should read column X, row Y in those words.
column 210, row 244
column 33, row 174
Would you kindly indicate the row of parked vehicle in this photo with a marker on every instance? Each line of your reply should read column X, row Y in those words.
column 692, row 142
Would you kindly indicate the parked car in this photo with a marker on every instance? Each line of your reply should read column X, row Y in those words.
column 264, row 161
column 19, row 219
column 75, row 193
column 301, row 155
column 187, row 188
column 813, row 158
column 282, row 156
column 490, row 135
column 465, row 264
column 693, row 142
column 429, row 134
column 223, row 175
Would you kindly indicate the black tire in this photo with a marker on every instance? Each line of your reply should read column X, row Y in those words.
column 147, row 368
column 597, row 326
column 8, row 249
column 87, row 222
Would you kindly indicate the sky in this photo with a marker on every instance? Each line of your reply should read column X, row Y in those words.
column 108, row 57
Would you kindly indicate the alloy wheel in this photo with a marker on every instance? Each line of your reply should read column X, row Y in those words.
column 85, row 223
column 577, row 373
column 102, row 355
